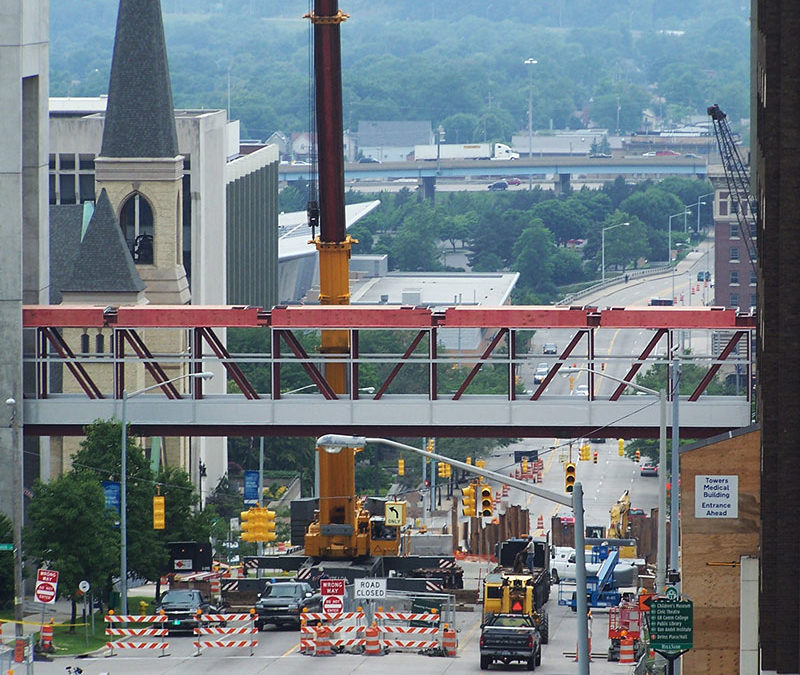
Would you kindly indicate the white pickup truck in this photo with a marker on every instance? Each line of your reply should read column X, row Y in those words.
column 562, row 567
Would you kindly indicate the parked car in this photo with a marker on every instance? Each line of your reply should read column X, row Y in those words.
column 498, row 185
column 541, row 372
column 282, row 602
column 649, row 470
column 600, row 155
column 181, row 605
column 513, row 181
column 549, row 348
column 704, row 276
column 369, row 160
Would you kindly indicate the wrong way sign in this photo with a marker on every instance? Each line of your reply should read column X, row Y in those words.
column 46, row 586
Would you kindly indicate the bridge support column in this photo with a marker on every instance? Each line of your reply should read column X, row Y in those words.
column 562, row 183
column 429, row 187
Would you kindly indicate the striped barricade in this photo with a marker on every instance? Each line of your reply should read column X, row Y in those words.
column 161, row 646
column 393, row 636
column 346, row 631
column 207, row 631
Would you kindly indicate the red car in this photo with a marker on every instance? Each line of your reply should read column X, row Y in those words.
column 513, row 181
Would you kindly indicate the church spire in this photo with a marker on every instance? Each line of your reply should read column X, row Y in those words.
column 139, row 120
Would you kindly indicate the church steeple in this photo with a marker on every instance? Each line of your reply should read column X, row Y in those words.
column 140, row 121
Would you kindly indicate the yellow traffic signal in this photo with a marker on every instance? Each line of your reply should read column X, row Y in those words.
column 448, row 470
column 401, row 467
column 441, row 470
column 430, row 446
column 621, row 447
column 569, row 476
column 267, row 525
column 583, row 452
column 468, row 500
column 158, row 513
column 249, row 525
column 469, row 459
column 487, row 504
column 638, row 456
column 480, row 463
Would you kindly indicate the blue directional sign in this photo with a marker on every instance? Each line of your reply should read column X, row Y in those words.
column 250, row 488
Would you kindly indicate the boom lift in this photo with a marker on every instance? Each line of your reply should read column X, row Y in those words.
column 742, row 202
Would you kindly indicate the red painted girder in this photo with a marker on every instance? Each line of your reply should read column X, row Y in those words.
column 188, row 316
column 62, row 316
column 350, row 316
column 673, row 317
column 517, row 316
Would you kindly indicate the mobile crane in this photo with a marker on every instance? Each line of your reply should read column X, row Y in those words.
column 742, row 202
column 348, row 533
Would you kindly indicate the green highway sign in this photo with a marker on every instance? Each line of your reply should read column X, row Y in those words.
column 6, row 547
column 671, row 625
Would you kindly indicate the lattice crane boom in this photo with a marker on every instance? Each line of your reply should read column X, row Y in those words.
column 737, row 178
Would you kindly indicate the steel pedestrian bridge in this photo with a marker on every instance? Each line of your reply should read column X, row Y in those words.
column 401, row 381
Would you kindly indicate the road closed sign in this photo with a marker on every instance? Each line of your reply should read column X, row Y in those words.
column 370, row 589
column 46, row 586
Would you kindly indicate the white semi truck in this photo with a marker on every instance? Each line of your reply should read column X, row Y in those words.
column 499, row 151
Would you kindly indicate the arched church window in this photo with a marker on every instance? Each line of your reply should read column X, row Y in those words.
column 136, row 220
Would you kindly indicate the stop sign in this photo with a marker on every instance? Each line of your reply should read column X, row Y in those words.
column 332, row 604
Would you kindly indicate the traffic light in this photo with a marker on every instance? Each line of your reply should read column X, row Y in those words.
column 480, row 463
column 594, row 458
column 468, row 500
column 469, row 459
column 430, row 446
column 621, row 447
column 267, row 525
column 441, row 469
column 487, row 503
column 569, row 476
column 249, row 525
column 638, row 456
column 584, row 452
column 158, row 513
column 448, row 470
column 401, row 467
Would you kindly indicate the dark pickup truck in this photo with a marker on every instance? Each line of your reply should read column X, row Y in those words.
column 283, row 602
column 510, row 637
column 182, row 607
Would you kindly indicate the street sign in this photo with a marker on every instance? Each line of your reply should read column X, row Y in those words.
column 183, row 564
column 369, row 589
column 332, row 604
column 83, row 587
column 331, row 586
column 46, row 586
column 250, row 488
column 671, row 625
column 6, row 547
column 716, row 496
column 395, row 514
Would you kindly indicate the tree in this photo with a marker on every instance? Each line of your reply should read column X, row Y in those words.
column 533, row 255
column 653, row 207
column 626, row 244
column 88, row 548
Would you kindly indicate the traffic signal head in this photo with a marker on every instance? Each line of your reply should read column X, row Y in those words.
column 448, row 470
column 638, row 456
column 468, row 500
column 441, row 471
column 570, row 477
column 429, row 447
column 268, row 525
column 158, row 513
column 487, row 504
column 480, row 463
column 621, row 447
column 401, row 467
column 594, row 458
column 248, row 520
column 469, row 460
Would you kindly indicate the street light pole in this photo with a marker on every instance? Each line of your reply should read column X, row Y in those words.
column 16, row 486
column 123, row 484
column 334, row 443
column 603, row 248
column 530, row 62
column 661, row 550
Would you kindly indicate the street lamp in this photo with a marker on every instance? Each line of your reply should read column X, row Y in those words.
column 708, row 194
column 603, row 247
column 530, row 62
column 661, row 550
column 669, row 239
column 334, row 443
column 16, row 486
column 123, row 484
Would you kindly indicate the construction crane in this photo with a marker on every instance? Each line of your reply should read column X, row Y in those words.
column 618, row 517
column 742, row 202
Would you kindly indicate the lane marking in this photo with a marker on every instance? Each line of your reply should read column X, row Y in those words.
column 294, row 648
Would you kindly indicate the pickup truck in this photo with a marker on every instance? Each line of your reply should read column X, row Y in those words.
column 282, row 603
column 182, row 606
column 510, row 637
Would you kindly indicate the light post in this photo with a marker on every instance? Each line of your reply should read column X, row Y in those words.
column 661, row 550
column 16, row 486
column 123, row 484
column 699, row 202
column 603, row 247
column 669, row 235
column 530, row 62
column 334, row 443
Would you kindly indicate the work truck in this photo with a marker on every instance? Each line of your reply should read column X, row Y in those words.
column 497, row 151
column 510, row 637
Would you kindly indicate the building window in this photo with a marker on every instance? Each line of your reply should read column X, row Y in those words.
column 723, row 207
column 66, row 185
column 66, row 162
column 86, row 186
column 136, row 221
column 734, row 253
column 753, row 300
column 84, row 343
column 753, row 278
column 734, row 230
column 734, row 277
column 734, row 300
column 99, row 343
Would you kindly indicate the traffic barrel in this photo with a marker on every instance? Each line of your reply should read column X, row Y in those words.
column 449, row 642
column 322, row 641
column 372, row 643
column 626, row 650
column 47, row 637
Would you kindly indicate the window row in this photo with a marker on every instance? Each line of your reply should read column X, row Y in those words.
column 735, row 278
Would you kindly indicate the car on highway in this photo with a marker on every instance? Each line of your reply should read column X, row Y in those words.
column 691, row 155
column 667, row 153
column 541, row 372
column 649, row 154
column 600, row 155
column 282, row 602
column 498, row 185
column 704, row 276
column 513, row 181
column 369, row 160
column 582, row 390
column 649, row 470
column 181, row 605
column 549, row 348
